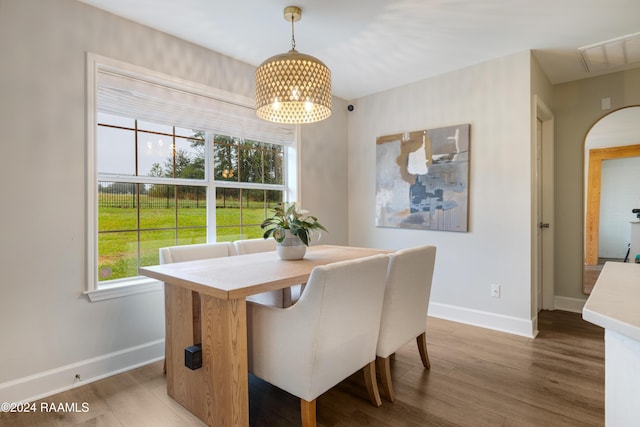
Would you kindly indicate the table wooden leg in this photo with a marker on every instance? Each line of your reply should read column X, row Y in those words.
column 217, row 393
column 182, row 330
column 224, row 361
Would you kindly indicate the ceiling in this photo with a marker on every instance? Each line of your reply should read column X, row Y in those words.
column 375, row 45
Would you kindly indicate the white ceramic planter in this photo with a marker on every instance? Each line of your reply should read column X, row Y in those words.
column 291, row 248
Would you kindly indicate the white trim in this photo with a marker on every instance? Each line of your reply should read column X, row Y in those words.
column 124, row 287
column 484, row 319
column 92, row 175
column 574, row 305
column 57, row 380
column 293, row 160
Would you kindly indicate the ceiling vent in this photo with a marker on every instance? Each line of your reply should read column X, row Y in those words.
column 611, row 53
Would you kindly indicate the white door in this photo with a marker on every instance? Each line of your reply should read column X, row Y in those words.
column 544, row 196
column 540, row 217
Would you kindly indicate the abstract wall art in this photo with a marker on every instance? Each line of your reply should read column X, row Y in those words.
column 422, row 179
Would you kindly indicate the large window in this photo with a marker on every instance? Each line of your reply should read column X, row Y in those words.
column 171, row 164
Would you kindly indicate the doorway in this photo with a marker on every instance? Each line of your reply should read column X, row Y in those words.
column 613, row 137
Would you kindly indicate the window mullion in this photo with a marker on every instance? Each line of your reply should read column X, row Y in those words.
column 138, row 213
column 152, row 180
column 175, row 187
column 209, row 171
column 249, row 185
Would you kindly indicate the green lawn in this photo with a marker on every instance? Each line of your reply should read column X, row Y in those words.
column 118, row 237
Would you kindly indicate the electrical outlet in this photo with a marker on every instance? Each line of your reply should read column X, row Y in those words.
column 495, row 291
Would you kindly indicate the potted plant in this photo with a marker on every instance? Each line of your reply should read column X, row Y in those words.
column 291, row 228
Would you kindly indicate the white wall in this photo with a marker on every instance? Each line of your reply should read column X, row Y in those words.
column 495, row 99
column 620, row 193
column 50, row 331
column 323, row 187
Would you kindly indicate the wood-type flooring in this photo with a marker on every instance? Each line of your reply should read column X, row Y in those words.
column 478, row 377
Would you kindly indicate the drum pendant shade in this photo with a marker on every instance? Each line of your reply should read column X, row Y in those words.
column 293, row 87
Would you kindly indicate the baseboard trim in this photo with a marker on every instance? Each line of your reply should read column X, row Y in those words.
column 574, row 305
column 484, row 319
column 53, row 381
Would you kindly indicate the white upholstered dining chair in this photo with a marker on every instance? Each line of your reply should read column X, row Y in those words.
column 404, row 313
column 251, row 246
column 280, row 298
column 194, row 252
column 329, row 334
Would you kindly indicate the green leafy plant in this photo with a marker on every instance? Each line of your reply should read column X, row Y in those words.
column 288, row 217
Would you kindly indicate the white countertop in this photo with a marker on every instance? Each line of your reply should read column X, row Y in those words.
column 614, row 302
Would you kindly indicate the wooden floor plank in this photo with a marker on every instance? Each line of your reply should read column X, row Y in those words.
column 478, row 377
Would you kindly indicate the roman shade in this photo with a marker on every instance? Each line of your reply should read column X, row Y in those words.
column 167, row 100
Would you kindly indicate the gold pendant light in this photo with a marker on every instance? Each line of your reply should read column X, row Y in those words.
column 293, row 87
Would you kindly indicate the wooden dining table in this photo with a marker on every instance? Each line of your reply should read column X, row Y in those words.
column 205, row 303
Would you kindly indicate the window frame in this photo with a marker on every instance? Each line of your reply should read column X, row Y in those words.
column 98, row 291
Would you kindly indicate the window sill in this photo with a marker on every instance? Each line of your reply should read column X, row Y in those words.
column 133, row 286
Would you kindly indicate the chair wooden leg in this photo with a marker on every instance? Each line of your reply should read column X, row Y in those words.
column 372, row 384
column 308, row 413
column 383, row 366
column 422, row 348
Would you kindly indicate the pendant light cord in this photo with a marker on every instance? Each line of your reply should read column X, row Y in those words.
column 293, row 37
